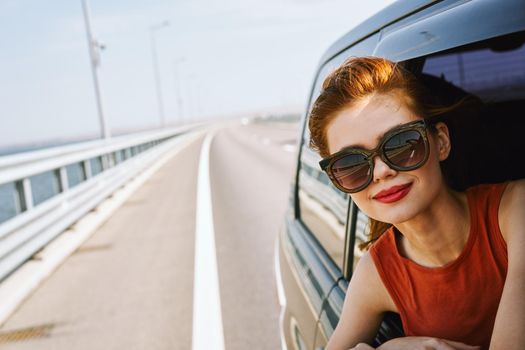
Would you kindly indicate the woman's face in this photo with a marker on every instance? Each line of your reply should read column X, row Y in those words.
column 409, row 192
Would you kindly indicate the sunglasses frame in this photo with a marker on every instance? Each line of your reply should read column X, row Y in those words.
column 420, row 126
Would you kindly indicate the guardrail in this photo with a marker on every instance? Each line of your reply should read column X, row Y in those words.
column 44, row 192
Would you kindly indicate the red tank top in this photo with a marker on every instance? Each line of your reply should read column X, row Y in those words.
column 457, row 301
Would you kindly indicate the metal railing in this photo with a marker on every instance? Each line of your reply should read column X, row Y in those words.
column 44, row 192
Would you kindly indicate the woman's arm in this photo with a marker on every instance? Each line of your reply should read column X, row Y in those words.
column 509, row 328
column 423, row 343
column 365, row 303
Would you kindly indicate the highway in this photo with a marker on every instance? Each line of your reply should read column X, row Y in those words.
column 131, row 284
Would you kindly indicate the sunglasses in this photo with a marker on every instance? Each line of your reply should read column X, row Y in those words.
column 403, row 148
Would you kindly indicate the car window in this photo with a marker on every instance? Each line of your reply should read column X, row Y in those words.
column 491, row 74
column 323, row 208
column 495, row 72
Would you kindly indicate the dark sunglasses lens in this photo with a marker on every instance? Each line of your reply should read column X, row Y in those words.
column 351, row 171
column 406, row 149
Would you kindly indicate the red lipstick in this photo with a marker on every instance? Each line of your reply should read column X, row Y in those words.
column 393, row 194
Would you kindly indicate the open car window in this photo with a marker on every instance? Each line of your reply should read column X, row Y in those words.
column 494, row 72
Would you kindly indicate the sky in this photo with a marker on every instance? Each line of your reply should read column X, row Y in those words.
column 217, row 59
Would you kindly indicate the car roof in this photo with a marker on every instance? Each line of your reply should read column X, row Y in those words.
column 390, row 14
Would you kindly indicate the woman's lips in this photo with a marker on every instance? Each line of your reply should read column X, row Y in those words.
column 393, row 194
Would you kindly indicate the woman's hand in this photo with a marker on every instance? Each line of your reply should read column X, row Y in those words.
column 418, row 343
column 423, row 343
column 362, row 346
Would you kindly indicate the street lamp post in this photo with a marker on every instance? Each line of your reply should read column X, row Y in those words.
column 178, row 86
column 190, row 80
column 152, row 31
column 94, row 54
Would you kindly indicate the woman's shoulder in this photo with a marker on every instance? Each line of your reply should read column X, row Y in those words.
column 511, row 208
column 486, row 199
column 367, row 277
column 513, row 190
column 513, row 194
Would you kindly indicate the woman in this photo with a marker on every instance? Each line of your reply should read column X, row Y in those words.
column 450, row 263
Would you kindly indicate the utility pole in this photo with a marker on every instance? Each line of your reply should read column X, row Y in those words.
column 94, row 55
column 152, row 31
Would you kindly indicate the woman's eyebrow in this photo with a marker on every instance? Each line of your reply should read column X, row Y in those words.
column 379, row 138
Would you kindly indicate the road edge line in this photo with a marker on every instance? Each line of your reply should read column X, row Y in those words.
column 207, row 330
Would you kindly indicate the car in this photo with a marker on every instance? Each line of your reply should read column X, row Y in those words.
column 476, row 46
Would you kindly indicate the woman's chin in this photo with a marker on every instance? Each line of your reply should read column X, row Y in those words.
column 394, row 216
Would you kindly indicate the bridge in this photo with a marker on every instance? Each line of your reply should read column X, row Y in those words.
column 155, row 240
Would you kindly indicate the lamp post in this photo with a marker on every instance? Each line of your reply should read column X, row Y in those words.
column 152, row 30
column 190, row 88
column 178, row 86
column 94, row 48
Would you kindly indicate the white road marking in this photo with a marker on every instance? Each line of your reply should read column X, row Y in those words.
column 208, row 331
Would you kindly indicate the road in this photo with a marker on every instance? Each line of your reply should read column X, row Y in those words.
column 130, row 285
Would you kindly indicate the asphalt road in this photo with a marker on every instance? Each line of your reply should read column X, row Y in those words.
column 130, row 286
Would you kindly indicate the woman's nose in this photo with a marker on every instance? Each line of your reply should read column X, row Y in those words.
column 382, row 170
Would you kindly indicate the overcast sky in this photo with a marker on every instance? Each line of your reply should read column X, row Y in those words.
column 228, row 57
